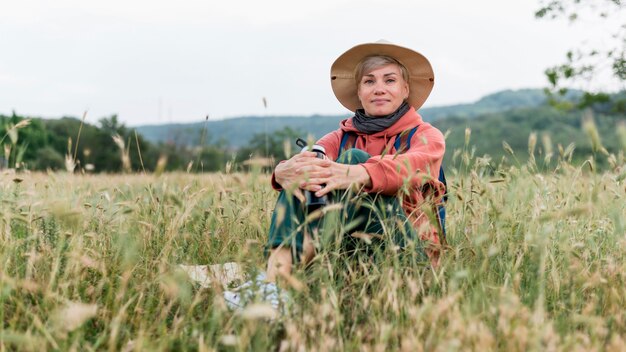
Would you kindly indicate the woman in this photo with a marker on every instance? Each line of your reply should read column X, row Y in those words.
column 385, row 151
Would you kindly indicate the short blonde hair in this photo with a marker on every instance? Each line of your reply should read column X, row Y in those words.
column 370, row 63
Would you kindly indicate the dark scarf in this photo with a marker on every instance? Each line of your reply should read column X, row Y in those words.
column 371, row 125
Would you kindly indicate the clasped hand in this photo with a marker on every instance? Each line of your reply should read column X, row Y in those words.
column 304, row 171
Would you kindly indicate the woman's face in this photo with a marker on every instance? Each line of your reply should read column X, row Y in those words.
column 382, row 90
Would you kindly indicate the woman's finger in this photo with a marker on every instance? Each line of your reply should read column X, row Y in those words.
column 313, row 161
column 314, row 181
column 322, row 192
column 304, row 156
column 313, row 168
column 310, row 187
column 298, row 193
column 326, row 189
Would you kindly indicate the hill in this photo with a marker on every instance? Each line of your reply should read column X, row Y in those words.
column 237, row 132
column 554, row 129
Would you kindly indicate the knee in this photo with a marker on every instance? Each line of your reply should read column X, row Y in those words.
column 353, row 156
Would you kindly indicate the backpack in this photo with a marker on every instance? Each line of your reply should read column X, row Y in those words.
column 405, row 138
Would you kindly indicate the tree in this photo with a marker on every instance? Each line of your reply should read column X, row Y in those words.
column 25, row 137
column 48, row 158
column 110, row 157
column 583, row 64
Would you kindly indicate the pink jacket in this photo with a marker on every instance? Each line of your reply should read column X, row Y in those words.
column 417, row 169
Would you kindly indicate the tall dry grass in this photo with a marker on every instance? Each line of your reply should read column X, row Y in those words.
column 536, row 262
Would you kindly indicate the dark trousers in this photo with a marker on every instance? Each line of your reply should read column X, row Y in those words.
column 335, row 225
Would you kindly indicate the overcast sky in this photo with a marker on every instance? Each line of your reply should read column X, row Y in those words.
column 156, row 61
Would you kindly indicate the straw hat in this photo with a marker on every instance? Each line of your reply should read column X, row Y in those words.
column 421, row 76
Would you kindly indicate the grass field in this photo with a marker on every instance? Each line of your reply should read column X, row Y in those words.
column 536, row 261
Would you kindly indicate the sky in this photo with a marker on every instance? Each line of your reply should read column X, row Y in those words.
column 155, row 62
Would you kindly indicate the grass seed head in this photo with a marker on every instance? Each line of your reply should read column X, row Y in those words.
column 621, row 132
column 468, row 134
column 258, row 311
column 589, row 126
column 532, row 143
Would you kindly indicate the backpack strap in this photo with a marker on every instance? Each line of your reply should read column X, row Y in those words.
column 348, row 141
column 441, row 208
column 442, row 179
column 404, row 138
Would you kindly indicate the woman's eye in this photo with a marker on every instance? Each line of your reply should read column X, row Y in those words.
column 368, row 81
column 391, row 80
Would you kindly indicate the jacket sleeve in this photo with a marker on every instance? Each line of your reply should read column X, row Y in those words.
column 330, row 142
column 276, row 185
column 417, row 167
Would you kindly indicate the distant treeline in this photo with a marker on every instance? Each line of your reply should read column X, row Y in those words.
column 502, row 125
column 56, row 144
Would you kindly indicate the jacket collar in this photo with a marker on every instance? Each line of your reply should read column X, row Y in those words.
column 408, row 121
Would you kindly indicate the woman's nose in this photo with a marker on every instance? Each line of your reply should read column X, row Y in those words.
column 379, row 89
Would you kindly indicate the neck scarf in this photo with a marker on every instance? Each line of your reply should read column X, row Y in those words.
column 371, row 125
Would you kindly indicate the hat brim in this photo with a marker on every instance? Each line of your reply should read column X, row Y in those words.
column 421, row 75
